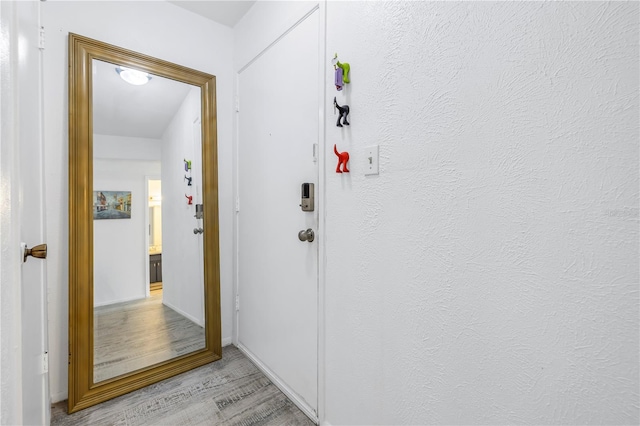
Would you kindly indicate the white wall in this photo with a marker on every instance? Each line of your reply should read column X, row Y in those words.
column 125, row 147
column 182, row 255
column 489, row 274
column 194, row 42
column 120, row 252
column 119, row 249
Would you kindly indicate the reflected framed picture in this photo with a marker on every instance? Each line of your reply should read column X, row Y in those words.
column 111, row 205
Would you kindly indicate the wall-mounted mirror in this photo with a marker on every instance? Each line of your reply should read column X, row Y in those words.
column 144, row 293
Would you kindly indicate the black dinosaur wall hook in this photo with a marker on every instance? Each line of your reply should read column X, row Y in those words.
column 344, row 112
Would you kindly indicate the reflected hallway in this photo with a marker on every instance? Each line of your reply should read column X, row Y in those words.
column 137, row 334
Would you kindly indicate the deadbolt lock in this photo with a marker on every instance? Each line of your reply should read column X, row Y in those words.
column 307, row 197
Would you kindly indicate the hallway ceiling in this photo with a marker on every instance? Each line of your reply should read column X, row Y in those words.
column 223, row 12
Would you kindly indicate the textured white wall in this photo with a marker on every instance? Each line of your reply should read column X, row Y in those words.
column 489, row 274
column 192, row 41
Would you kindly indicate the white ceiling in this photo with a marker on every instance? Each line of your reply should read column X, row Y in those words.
column 224, row 12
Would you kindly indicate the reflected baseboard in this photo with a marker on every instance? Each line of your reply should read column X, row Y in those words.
column 184, row 314
column 62, row 396
column 113, row 302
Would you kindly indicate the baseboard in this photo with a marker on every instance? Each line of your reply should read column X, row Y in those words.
column 325, row 423
column 184, row 314
column 294, row 397
column 113, row 302
column 226, row 341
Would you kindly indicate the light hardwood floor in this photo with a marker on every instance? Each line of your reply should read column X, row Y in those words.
column 231, row 391
column 132, row 335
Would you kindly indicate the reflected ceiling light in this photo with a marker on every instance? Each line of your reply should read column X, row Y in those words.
column 131, row 76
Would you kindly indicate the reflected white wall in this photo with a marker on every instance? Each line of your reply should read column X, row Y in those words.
column 119, row 248
column 182, row 257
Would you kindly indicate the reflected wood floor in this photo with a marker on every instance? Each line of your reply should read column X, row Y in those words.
column 132, row 335
column 231, row 391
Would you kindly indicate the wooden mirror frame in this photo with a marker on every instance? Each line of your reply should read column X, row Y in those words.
column 83, row 392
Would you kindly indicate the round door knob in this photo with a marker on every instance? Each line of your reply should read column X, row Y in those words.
column 307, row 235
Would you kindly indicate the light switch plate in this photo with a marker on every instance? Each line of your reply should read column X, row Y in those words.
column 371, row 159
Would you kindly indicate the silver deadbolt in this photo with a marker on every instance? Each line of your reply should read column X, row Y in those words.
column 307, row 235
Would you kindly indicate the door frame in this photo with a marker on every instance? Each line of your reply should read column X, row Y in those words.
column 147, row 227
column 323, row 74
column 323, row 63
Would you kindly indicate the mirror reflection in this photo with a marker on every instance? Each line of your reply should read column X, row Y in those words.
column 148, row 288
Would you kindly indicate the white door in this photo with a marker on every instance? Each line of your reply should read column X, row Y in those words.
column 278, row 273
column 23, row 213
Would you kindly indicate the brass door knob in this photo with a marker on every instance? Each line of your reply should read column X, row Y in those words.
column 39, row 251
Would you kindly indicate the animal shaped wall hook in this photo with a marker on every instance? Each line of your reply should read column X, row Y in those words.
column 343, row 158
column 344, row 112
column 187, row 165
column 341, row 71
column 189, row 199
column 188, row 179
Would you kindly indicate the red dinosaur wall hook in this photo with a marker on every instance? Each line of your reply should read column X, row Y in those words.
column 343, row 158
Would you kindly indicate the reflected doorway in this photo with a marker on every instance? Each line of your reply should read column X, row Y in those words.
column 155, row 235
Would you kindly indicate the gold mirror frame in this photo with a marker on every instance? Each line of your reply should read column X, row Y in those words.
column 83, row 392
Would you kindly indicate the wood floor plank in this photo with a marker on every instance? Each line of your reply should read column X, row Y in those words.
column 231, row 391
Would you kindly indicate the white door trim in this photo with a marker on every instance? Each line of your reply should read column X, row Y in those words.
column 323, row 64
